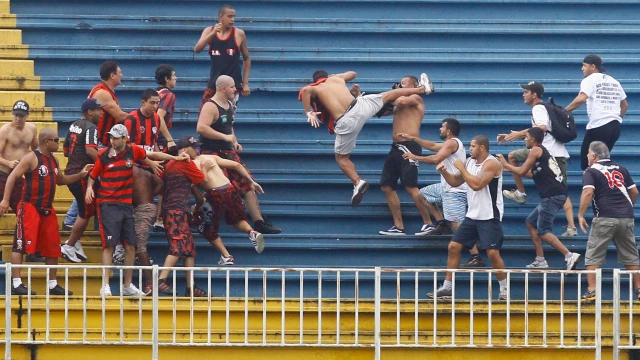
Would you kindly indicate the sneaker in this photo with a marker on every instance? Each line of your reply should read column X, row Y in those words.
column 59, row 290
column 538, row 264
column 441, row 228
column 503, row 294
column 570, row 232
column 265, row 227
column 105, row 290
column 131, row 290
column 118, row 255
column 21, row 290
column 511, row 195
column 158, row 226
column 573, row 261
column 441, row 293
column 473, row 262
column 148, row 289
column 69, row 253
column 164, row 287
column 589, row 296
column 358, row 192
column 226, row 260
column 80, row 251
column 426, row 229
column 257, row 239
column 197, row 292
column 136, row 262
column 428, row 86
column 67, row 227
column 34, row 258
column 393, row 231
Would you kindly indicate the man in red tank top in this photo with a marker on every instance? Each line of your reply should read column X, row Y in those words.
column 225, row 42
column 36, row 221
column 104, row 92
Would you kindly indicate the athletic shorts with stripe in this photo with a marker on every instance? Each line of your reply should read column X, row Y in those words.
column 36, row 231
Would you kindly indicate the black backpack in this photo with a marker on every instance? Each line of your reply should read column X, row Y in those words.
column 562, row 122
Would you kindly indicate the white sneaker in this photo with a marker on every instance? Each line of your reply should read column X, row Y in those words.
column 226, row 260
column 573, row 261
column 132, row 290
column 257, row 240
column 80, row 252
column 69, row 253
column 105, row 290
column 503, row 294
column 358, row 192
column 512, row 195
column 538, row 264
column 428, row 86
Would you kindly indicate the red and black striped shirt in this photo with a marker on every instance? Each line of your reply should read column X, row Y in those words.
column 116, row 174
column 106, row 120
column 40, row 184
column 168, row 104
column 143, row 131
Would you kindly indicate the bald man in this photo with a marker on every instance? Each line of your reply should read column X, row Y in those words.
column 215, row 126
column 36, row 222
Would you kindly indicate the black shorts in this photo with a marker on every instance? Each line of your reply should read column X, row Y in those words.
column 486, row 233
column 396, row 167
column 116, row 224
column 78, row 189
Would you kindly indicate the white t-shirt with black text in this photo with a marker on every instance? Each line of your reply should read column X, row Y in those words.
column 603, row 102
column 539, row 117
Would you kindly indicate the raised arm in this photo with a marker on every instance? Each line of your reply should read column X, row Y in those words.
column 205, row 38
column 446, row 149
column 346, row 76
column 577, row 102
column 490, row 169
column 454, row 180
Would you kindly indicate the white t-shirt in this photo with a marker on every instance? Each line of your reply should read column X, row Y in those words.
column 603, row 102
column 540, row 116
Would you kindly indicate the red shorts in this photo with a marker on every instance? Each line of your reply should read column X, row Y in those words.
column 16, row 194
column 36, row 231
column 178, row 233
column 224, row 201
column 241, row 184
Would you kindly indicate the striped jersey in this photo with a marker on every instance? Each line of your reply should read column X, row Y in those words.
column 40, row 184
column 106, row 120
column 168, row 104
column 116, row 174
column 143, row 131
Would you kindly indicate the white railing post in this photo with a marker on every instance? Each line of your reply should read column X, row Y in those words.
column 599, row 314
column 7, row 310
column 154, row 331
column 616, row 314
column 377, row 295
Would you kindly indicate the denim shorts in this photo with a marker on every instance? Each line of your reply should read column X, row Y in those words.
column 543, row 215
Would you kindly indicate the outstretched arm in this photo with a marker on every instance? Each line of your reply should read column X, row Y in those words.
column 577, row 102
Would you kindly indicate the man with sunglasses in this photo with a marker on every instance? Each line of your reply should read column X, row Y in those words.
column 36, row 221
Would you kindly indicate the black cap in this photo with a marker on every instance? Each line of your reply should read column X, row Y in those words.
column 593, row 59
column 20, row 108
column 534, row 87
column 186, row 141
column 91, row 104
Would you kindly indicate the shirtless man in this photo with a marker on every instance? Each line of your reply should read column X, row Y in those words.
column 104, row 92
column 144, row 213
column 15, row 140
column 345, row 115
column 407, row 117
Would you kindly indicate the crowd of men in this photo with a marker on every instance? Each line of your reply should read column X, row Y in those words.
column 118, row 162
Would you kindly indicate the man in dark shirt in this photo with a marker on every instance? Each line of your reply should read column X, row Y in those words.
column 613, row 193
column 547, row 176
column 81, row 147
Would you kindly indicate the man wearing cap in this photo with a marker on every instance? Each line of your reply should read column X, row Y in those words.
column 606, row 106
column 81, row 147
column 114, row 167
column 532, row 96
column 15, row 140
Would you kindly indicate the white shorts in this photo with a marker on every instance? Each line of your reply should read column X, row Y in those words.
column 454, row 204
column 348, row 126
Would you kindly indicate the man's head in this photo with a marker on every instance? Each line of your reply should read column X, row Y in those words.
column 118, row 136
column 597, row 151
column 48, row 140
column 409, row 81
column 166, row 76
column 110, row 72
column 20, row 113
column 533, row 92
column 592, row 64
column 150, row 102
column 226, row 87
column 189, row 145
column 92, row 110
column 533, row 137
column 479, row 147
column 319, row 74
column 450, row 128
column 226, row 16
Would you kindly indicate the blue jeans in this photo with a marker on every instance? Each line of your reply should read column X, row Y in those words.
column 72, row 214
column 543, row 215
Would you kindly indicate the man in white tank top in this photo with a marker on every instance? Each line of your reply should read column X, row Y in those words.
column 483, row 223
column 452, row 199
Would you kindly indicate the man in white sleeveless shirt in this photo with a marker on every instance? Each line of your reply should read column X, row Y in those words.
column 483, row 223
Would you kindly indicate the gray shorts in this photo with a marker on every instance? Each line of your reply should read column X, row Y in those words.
column 143, row 216
column 348, row 126
column 605, row 230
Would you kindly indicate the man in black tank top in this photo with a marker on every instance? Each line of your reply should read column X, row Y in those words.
column 215, row 126
column 549, row 180
column 225, row 43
